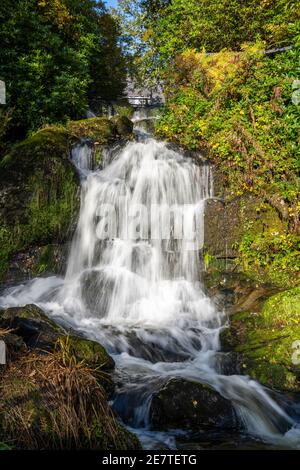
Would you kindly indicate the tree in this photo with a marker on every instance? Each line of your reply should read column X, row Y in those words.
column 160, row 29
column 56, row 56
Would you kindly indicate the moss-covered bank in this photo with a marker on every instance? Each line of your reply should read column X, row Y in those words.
column 265, row 337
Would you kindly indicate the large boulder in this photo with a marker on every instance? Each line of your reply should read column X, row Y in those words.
column 124, row 126
column 222, row 228
column 36, row 261
column 98, row 130
column 226, row 221
column 264, row 334
column 190, row 405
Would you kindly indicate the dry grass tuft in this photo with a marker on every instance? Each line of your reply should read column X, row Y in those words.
column 4, row 332
column 52, row 401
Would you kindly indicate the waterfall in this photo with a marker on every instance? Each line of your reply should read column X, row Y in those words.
column 82, row 155
column 133, row 283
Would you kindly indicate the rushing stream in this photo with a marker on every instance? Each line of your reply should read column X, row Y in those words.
column 141, row 295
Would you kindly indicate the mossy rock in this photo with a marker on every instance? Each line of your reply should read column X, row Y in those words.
column 99, row 129
column 91, row 352
column 124, row 126
column 264, row 340
column 185, row 404
column 251, row 235
column 39, row 331
column 28, row 312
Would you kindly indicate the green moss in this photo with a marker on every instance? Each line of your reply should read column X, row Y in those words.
column 4, row 446
column 124, row 110
column 47, row 261
column 99, row 129
column 91, row 352
column 49, row 402
column 265, row 339
column 30, row 312
column 123, row 125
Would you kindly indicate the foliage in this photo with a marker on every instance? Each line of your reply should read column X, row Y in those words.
column 160, row 30
column 240, row 107
column 56, row 57
column 272, row 257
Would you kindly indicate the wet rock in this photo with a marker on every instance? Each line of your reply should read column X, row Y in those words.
column 124, row 126
column 188, row 405
column 91, row 352
column 251, row 298
column 98, row 129
column 32, row 325
column 222, row 227
column 95, row 285
column 37, row 331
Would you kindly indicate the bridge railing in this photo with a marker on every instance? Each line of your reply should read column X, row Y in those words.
column 140, row 101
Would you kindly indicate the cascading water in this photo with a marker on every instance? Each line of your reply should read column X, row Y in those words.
column 83, row 157
column 141, row 295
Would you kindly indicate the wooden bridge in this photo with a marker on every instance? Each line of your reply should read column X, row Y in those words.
column 141, row 101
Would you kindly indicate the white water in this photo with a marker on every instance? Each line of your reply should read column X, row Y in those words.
column 143, row 299
column 83, row 158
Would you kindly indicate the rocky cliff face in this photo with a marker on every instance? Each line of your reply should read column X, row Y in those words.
column 242, row 276
column 250, row 234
